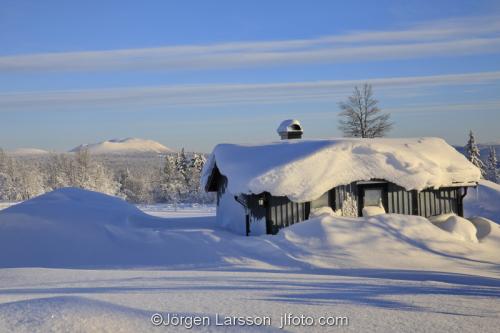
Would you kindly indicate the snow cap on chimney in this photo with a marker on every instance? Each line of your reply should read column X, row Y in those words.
column 290, row 129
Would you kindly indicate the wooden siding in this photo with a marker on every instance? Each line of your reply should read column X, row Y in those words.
column 426, row 203
column 440, row 201
column 281, row 212
column 400, row 201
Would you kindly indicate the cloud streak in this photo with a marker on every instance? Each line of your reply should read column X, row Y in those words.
column 206, row 95
column 443, row 38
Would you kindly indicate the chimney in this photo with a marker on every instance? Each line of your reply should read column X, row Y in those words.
column 290, row 129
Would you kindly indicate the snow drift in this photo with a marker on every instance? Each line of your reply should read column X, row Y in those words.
column 78, row 228
column 483, row 201
column 457, row 226
column 67, row 227
column 385, row 241
column 72, row 227
column 125, row 146
column 305, row 169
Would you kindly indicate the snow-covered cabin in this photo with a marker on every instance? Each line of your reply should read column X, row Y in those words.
column 262, row 188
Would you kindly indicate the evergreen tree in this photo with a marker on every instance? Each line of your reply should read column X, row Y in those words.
column 491, row 166
column 195, row 167
column 169, row 168
column 473, row 154
column 182, row 165
column 197, row 162
column 170, row 182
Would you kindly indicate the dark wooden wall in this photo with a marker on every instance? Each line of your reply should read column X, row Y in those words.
column 401, row 201
column 281, row 212
column 441, row 201
column 426, row 203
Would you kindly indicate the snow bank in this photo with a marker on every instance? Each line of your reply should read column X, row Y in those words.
column 317, row 212
column 305, row 169
column 483, row 226
column 458, row 226
column 71, row 314
column 383, row 241
column 373, row 210
column 77, row 228
column 483, row 201
column 72, row 227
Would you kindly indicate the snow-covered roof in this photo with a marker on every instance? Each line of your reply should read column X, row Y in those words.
column 305, row 169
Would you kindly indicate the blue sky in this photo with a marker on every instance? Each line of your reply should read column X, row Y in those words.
column 195, row 73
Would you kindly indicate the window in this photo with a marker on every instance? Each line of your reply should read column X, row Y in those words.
column 373, row 197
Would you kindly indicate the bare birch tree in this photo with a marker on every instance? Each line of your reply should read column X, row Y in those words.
column 361, row 117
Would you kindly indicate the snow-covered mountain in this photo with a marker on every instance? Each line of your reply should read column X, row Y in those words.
column 27, row 152
column 124, row 147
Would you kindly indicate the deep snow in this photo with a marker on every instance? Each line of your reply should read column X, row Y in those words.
column 483, row 201
column 72, row 227
column 386, row 272
column 303, row 170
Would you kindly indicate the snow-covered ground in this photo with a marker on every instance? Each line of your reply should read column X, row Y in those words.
column 74, row 260
column 181, row 210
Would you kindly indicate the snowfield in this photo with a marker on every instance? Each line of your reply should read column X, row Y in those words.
column 74, row 260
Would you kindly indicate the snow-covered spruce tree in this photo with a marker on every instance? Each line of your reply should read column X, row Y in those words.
column 473, row 154
column 197, row 162
column 361, row 117
column 197, row 194
column 182, row 165
column 491, row 166
column 171, row 184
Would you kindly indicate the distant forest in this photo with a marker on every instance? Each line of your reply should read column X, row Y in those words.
column 170, row 178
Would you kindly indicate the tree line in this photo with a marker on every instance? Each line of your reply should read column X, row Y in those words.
column 176, row 179
column 489, row 168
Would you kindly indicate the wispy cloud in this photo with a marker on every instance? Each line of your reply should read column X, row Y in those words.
column 230, row 94
column 441, row 38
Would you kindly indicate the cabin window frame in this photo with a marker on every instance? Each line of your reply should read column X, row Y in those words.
column 384, row 186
